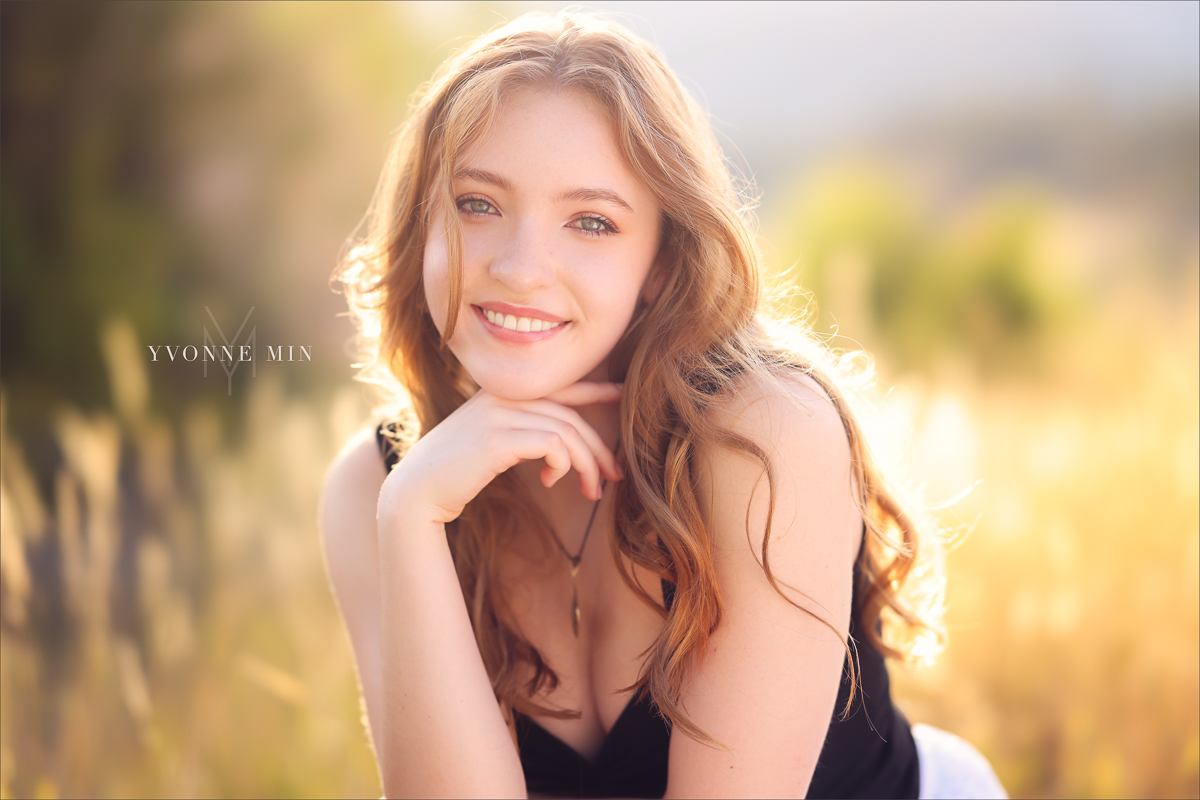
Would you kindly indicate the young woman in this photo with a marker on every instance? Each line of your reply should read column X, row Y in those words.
column 622, row 540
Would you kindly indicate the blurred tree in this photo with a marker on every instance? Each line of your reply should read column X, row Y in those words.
column 160, row 158
column 84, row 229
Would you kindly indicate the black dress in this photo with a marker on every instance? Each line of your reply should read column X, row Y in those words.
column 870, row 753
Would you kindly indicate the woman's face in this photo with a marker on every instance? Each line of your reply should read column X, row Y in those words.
column 559, row 240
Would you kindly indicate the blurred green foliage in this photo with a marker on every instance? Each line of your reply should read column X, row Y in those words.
column 160, row 158
column 983, row 290
column 83, row 230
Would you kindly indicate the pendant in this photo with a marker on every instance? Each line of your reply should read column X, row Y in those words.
column 575, row 612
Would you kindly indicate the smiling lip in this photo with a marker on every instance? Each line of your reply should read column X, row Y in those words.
column 520, row 311
column 526, row 317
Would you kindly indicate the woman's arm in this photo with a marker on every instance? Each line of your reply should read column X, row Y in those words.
column 442, row 732
column 768, row 682
column 434, row 721
column 437, row 728
column 347, row 524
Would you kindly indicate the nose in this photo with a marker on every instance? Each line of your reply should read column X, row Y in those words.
column 526, row 263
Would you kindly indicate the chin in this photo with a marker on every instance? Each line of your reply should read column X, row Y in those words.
column 519, row 386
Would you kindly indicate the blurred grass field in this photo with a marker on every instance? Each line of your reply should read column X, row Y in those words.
column 165, row 624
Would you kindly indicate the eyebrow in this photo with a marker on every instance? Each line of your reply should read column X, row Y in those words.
column 483, row 176
column 603, row 195
column 582, row 194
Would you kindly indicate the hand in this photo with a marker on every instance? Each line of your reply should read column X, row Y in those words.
column 486, row 436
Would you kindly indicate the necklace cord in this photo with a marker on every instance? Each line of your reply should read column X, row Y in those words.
column 575, row 559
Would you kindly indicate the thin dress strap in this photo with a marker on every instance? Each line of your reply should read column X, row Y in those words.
column 387, row 438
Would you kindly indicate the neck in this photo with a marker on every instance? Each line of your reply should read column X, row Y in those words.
column 604, row 417
column 563, row 503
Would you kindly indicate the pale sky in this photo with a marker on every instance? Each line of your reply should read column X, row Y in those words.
column 779, row 74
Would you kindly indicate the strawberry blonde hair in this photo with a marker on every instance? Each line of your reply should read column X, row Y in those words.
column 674, row 370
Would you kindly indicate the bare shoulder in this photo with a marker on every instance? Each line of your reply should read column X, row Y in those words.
column 351, row 488
column 805, row 500
column 790, row 416
column 349, row 534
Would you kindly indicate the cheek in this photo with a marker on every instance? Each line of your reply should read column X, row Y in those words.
column 436, row 276
column 627, row 284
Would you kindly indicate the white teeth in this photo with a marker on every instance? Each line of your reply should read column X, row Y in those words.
column 520, row 324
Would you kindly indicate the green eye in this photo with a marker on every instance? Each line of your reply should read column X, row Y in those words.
column 594, row 226
column 478, row 206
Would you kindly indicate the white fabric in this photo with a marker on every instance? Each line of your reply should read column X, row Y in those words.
column 952, row 768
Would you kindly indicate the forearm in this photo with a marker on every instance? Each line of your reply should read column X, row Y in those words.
column 442, row 733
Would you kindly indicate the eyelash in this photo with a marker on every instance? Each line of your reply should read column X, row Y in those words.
column 609, row 227
column 463, row 201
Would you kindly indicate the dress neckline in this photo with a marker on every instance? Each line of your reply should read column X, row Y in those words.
column 622, row 719
column 668, row 591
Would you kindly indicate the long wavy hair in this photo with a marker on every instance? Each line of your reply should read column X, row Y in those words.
column 674, row 371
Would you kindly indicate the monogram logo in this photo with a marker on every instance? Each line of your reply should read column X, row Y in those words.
column 227, row 361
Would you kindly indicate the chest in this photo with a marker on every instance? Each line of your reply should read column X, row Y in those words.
column 615, row 630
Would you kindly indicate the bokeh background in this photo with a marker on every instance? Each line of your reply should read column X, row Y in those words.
column 998, row 201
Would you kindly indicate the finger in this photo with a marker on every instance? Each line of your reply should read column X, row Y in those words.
column 582, row 457
column 606, row 458
column 584, row 393
column 532, row 445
